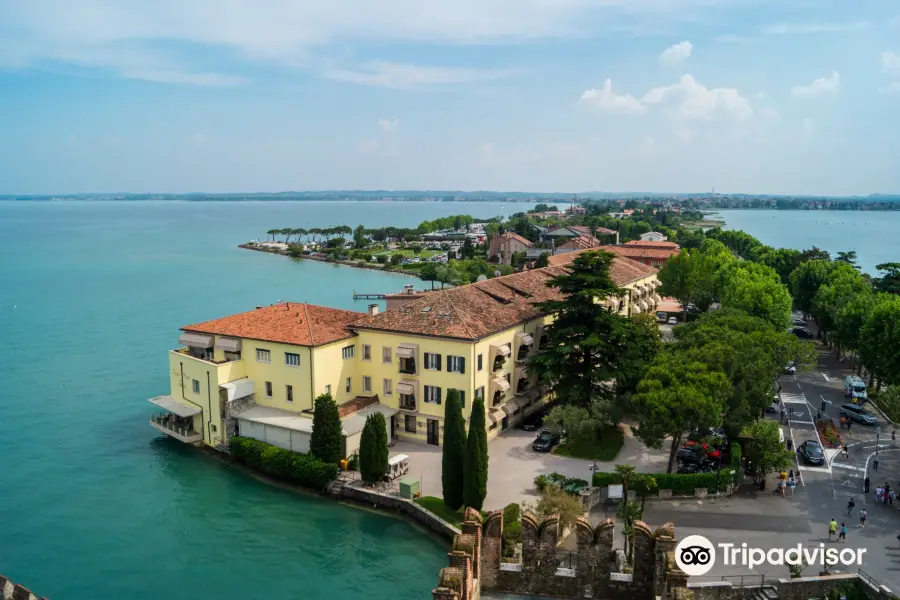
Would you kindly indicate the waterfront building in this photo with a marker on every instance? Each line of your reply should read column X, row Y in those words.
column 653, row 236
column 652, row 253
column 503, row 246
column 257, row 373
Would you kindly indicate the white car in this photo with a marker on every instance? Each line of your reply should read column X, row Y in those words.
column 673, row 321
column 790, row 369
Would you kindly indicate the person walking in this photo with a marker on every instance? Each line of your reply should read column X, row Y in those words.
column 790, row 445
column 846, row 451
column 850, row 506
column 843, row 536
column 866, row 484
column 893, row 437
column 863, row 515
column 832, row 528
column 875, row 463
column 843, row 421
column 849, row 422
column 891, row 495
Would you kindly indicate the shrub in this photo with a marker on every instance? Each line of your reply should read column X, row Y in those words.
column 302, row 469
column 512, row 513
column 327, row 439
column 541, row 482
column 373, row 449
column 475, row 477
column 679, row 483
column 454, row 455
column 512, row 535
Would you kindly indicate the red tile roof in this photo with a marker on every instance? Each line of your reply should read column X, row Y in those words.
column 582, row 242
column 287, row 323
column 585, row 230
column 512, row 235
column 475, row 311
column 651, row 244
column 639, row 252
column 622, row 270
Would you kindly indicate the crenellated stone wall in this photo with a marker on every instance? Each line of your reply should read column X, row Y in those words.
column 588, row 572
column 11, row 591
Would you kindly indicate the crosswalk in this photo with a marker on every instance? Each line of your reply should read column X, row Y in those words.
column 791, row 398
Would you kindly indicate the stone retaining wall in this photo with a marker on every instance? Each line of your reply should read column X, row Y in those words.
column 357, row 493
column 12, row 591
column 800, row 588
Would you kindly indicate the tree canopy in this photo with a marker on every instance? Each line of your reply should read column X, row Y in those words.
column 373, row 449
column 475, row 476
column 454, row 454
column 327, row 439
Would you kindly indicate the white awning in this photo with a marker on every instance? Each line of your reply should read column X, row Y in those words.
column 182, row 409
column 276, row 417
column 238, row 388
column 406, row 389
column 510, row 407
column 657, row 298
column 496, row 415
column 523, row 373
column 354, row 423
column 635, row 308
column 643, row 304
column 229, row 344
column 526, row 340
column 500, row 384
column 196, row 340
column 405, row 352
column 503, row 350
column 657, row 283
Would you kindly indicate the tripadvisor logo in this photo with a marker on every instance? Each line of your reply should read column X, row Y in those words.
column 696, row 555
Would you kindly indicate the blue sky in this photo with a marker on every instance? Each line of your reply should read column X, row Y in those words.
column 764, row 96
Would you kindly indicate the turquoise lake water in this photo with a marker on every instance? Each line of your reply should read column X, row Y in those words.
column 95, row 504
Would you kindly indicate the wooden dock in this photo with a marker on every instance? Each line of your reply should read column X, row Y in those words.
column 357, row 296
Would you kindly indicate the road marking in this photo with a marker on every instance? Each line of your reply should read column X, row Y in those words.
column 789, row 398
column 848, row 483
column 827, row 378
column 852, row 467
column 801, row 422
column 818, row 469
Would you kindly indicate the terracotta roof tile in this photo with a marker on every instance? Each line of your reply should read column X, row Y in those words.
column 582, row 242
column 665, row 245
column 639, row 252
column 512, row 235
column 287, row 323
column 474, row 311
column 622, row 270
column 584, row 229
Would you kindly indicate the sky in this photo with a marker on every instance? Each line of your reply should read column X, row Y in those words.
column 753, row 96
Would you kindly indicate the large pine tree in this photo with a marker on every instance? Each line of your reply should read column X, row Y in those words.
column 373, row 449
column 475, row 474
column 453, row 459
column 327, row 440
column 586, row 343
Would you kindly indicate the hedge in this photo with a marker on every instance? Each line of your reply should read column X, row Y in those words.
column 682, row 483
column 303, row 469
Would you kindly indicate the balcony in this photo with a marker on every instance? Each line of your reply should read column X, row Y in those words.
column 207, row 355
column 522, row 386
column 177, row 427
column 408, row 366
column 407, row 402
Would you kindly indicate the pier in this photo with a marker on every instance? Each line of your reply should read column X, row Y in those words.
column 367, row 296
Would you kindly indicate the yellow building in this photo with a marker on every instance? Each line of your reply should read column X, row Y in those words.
column 257, row 373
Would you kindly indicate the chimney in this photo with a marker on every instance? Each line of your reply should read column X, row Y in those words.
column 373, row 309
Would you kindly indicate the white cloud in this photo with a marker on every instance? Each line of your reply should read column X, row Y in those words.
column 823, row 85
column 890, row 63
column 691, row 100
column 407, row 77
column 607, row 101
column 684, row 134
column 891, row 88
column 811, row 28
column 676, row 53
column 769, row 112
column 389, row 125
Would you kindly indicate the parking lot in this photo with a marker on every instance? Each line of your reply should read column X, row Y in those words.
column 513, row 465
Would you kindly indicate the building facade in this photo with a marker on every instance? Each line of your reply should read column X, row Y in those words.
column 257, row 373
column 503, row 246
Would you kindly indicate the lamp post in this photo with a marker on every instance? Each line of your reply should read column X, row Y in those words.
column 877, row 435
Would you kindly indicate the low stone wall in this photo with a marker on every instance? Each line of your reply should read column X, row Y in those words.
column 12, row 591
column 800, row 588
column 357, row 493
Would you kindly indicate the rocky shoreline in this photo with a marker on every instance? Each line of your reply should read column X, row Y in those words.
column 346, row 263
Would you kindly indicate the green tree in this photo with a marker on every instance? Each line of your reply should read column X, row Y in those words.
column 881, row 332
column 764, row 449
column 889, row 282
column 475, row 476
column 677, row 396
column 844, row 283
column 584, row 341
column 327, row 440
column 468, row 249
column 454, row 455
column 359, row 237
column 396, row 259
column 554, row 501
column 848, row 258
column 850, row 319
column 806, row 281
column 429, row 273
column 757, row 290
column 373, row 449
column 636, row 356
column 272, row 233
column 542, row 261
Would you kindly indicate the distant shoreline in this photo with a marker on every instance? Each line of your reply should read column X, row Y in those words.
column 345, row 263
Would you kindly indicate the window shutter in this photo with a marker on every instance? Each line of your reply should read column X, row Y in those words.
column 437, row 393
column 438, row 357
column 462, row 364
column 462, row 398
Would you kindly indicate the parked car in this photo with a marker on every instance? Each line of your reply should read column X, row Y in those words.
column 803, row 332
column 855, row 412
column 798, row 322
column 545, row 442
column 672, row 321
column 855, row 389
column 534, row 421
column 811, row 453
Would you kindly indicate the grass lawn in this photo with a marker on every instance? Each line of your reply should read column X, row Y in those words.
column 436, row 505
column 606, row 448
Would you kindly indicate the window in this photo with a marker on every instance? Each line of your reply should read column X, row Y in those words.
column 432, row 394
column 291, row 359
column 480, row 361
column 268, row 389
column 347, row 352
column 349, row 385
column 195, row 385
column 456, row 364
column 328, row 389
column 386, row 354
column 289, row 389
column 462, row 398
column 433, row 361
column 479, row 393
column 229, row 356
column 367, row 352
column 410, row 423
column 263, row 356
column 367, row 384
column 388, row 387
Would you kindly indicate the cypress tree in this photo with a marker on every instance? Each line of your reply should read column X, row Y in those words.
column 476, row 464
column 373, row 449
column 453, row 459
column 327, row 440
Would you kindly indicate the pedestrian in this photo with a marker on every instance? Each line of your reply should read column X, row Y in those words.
column 893, row 437
column 875, row 463
column 791, row 474
column 782, row 415
column 792, row 484
column 823, row 406
column 790, row 444
column 862, row 517
column 891, row 495
column 846, row 452
column 832, row 528
column 850, row 506
column 866, row 484
column 843, row 420
column 849, row 422
column 843, row 536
